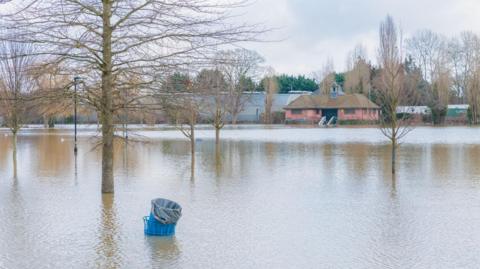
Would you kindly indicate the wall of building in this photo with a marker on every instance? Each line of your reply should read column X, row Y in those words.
column 358, row 114
column 311, row 115
column 308, row 115
column 255, row 105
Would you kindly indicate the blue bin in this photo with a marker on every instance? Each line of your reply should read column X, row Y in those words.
column 154, row 227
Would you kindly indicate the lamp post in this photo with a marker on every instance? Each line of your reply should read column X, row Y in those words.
column 75, row 83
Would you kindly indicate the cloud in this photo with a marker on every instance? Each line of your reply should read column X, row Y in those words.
column 314, row 30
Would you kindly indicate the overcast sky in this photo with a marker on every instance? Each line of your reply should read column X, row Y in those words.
column 315, row 30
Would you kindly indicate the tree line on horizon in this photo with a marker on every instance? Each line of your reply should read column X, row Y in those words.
column 437, row 69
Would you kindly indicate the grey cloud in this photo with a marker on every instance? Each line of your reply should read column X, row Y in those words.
column 319, row 29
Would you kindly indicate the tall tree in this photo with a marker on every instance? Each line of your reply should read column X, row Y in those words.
column 212, row 86
column 464, row 55
column 238, row 66
column 391, row 90
column 429, row 51
column 426, row 47
column 357, row 79
column 16, row 84
column 183, row 103
column 358, row 52
column 270, row 84
column 101, row 39
column 53, row 94
column 325, row 77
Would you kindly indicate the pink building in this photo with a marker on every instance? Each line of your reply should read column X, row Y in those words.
column 348, row 107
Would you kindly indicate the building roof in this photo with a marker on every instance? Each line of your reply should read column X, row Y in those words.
column 257, row 101
column 324, row 102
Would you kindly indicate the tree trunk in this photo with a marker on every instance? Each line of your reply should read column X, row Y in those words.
column 107, row 153
column 192, row 140
column 217, row 137
column 234, row 118
column 192, row 150
column 218, row 161
column 14, row 153
column 51, row 122
column 268, row 111
column 14, row 142
column 45, row 121
column 394, row 155
column 107, row 103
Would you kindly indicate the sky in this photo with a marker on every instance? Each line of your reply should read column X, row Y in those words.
column 312, row 31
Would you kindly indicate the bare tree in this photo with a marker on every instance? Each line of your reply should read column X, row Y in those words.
column 391, row 90
column 459, row 67
column 358, row 78
column 473, row 93
column 16, row 84
column 212, row 86
column 238, row 66
column 429, row 51
column 464, row 56
column 358, row 52
column 426, row 48
column 53, row 95
column 440, row 90
column 271, row 88
column 325, row 77
column 101, row 39
column 183, row 103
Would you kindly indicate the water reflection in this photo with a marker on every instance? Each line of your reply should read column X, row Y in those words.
column 53, row 154
column 108, row 253
column 164, row 251
column 218, row 160
column 252, row 204
column 15, row 164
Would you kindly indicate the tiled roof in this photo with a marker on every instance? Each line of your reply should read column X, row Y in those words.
column 323, row 101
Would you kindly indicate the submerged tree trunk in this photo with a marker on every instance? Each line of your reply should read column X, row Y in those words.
column 218, row 161
column 107, row 103
column 217, row 137
column 45, row 121
column 192, row 151
column 14, row 153
column 394, row 155
column 107, row 154
column 192, row 141
column 234, row 118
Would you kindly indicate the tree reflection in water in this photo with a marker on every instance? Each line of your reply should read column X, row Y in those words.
column 108, row 253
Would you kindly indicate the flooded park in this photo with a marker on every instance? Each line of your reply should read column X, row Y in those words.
column 278, row 197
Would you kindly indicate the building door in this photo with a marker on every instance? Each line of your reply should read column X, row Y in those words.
column 329, row 113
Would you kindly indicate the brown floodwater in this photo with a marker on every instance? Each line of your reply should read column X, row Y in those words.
column 280, row 197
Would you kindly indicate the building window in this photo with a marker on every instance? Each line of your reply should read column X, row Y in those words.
column 349, row 111
column 297, row 111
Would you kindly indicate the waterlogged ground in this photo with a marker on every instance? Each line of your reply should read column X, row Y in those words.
column 275, row 198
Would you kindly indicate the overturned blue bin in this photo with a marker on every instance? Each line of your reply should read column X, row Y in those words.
column 163, row 218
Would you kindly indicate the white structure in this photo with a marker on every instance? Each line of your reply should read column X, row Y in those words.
column 420, row 110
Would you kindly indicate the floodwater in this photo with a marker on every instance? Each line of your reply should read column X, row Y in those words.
column 274, row 198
